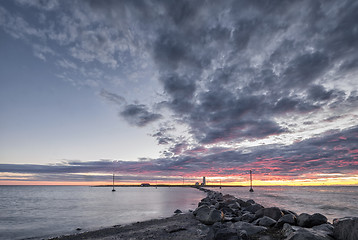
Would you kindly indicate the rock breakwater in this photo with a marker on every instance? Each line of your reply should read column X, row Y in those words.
column 235, row 219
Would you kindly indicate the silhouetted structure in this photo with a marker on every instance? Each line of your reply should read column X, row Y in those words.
column 145, row 185
column 113, row 190
column 251, row 190
column 204, row 181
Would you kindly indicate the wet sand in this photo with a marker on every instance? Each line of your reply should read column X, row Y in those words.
column 182, row 226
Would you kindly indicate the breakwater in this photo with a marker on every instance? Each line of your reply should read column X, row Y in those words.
column 232, row 218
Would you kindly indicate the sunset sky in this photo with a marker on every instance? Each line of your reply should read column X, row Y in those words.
column 161, row 90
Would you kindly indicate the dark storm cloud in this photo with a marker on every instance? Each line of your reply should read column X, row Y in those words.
column 135, row 114
column 229, row 69
column 138, row 115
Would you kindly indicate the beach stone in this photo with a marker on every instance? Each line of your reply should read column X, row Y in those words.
column 250, row 201
column 287, row 229
column 247, row 217
column 306, row 220
column 250, row 229
column 285, row 212
column 316, row 219
column 254, row 208
column 177, row 211
column 266, row 221
column 302, row 219
column 235, row 205
column 346, row 228
column 209, row 216
column 200, row 209
column 327, row 227
column 272, row 212
column 242, row 203
column 308, row 234
column 226, row 233
column 288, row 218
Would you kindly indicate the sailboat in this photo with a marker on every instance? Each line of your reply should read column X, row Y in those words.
column 113, row 190
column 251, row 190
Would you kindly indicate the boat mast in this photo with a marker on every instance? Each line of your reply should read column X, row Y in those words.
column 251, row 190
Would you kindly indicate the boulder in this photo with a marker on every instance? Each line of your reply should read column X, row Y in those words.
column 247, row 217
column 285, row 212
column 302, row 219
column 254, row 208
column 272, row 212
column 202, row 208
column 328, row 228
column 209, row 216
column 346, row 228
column 235, row 205
column 308, row 234
column 242, row 203
column 249, row 228
column 316, row 219
column 306, row 220
column 177, row 211
column 287, row 229
column 266, row 221
column 288, row 218
column 226, row 233
column 250, row 201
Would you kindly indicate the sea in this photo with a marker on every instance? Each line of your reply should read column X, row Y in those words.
column 41, row 212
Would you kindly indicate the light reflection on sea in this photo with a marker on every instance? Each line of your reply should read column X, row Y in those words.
column 44, row 211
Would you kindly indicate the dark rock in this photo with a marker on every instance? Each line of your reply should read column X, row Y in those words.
column 209, row 216
column 288, row 218
column 302, row 219
column 201, row 208
column 242, row 203
column 328, row 228
column 253, row 208
column 346, row 228
column 78, row 229
column 234, row 205
column 228, row 211
column 287, row 229
column 272, row 212
column 250, row 201
column 306, row 220
column 226, row 233
column 220, row 205
column 266, row 221
column 177, row 211
column 316, row 219
column 285, row 212
column 250, row 229
column 308, row 234
column 247, row 217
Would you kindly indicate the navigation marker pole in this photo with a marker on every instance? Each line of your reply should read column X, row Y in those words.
column 251, row 190
column 113, row 190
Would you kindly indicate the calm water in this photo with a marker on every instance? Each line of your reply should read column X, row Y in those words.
column 44, row 211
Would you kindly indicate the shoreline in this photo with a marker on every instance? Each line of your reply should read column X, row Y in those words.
column 221, row 216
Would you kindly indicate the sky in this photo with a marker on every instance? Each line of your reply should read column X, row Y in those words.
column 158, row 91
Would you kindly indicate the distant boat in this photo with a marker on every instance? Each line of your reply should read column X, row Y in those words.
column 251, row 190
column 113, row 190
